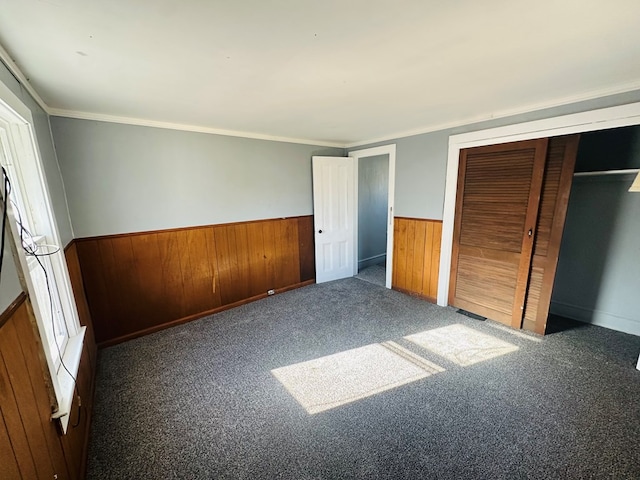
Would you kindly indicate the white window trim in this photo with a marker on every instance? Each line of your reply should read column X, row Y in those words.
column 601, row 119
column 16, row 129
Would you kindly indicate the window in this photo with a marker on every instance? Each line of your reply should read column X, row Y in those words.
column 40, row 257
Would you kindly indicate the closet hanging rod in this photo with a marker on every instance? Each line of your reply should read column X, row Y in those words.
column 626, row 171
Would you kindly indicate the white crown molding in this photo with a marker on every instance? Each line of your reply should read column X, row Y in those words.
column 534, row 107
column 6, row 58
column 592, row 95
column 56, row 112
column 24, row 81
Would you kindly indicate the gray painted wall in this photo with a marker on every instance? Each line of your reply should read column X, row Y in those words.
column 421, row 160
column 598, row 275
column 125, row 178
column 10, row 286
column 373, row 192
column 610, row 298
column 168, row 178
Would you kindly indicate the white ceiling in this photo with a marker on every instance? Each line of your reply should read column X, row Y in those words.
column 332, row 71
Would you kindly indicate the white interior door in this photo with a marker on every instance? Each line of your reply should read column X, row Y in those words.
column 334, row 217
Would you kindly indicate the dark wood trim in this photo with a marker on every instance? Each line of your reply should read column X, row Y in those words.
column 180, row 321
column 69, row 245
column 12, row 308
column 306, row 247
column 557, row 228
column 396, row 217
column 530, row 225
column 182, row 229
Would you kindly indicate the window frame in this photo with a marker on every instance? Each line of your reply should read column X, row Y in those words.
column 22, row 159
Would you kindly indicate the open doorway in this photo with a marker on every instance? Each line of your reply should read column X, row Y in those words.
column 335, row 211
column 375, row 175
column 373, row 208
column 598, row 274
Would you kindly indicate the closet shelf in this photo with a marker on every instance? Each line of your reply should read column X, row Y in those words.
column 627, row 171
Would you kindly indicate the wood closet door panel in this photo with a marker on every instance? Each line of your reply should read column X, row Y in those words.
column 556, row 186
column 496, row 209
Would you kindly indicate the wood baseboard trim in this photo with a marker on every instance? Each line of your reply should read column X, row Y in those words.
column 414, row 294
column 11, row 309
column 157, row 328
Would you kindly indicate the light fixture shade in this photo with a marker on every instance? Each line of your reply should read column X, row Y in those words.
column 635, row 186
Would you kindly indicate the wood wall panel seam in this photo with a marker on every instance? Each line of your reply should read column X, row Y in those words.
column 8, row 462
column 26, row 429
column 23, row 390
column 162, row 278
column 197, row 316
column 416, row 256
column 428, row 264
column 14, row 423
column 33, row 355
column 435, row 259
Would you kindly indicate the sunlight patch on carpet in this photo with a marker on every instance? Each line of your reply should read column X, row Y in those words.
column 345, row 377
column 517, row 333
column 461, row 345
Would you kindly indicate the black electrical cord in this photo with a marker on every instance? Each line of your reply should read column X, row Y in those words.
column 53, row 324
column 7, row 190
column 30, row 246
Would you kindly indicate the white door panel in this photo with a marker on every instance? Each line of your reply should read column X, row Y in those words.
column 334, row 217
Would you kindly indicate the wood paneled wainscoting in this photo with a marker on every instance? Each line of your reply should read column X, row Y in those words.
column 416, row 256
column 139, row 283
column 31, row 447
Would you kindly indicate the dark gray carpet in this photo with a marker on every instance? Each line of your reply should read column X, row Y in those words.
column 198, row 401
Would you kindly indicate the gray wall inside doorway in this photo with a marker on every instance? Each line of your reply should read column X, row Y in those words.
column 373, row 193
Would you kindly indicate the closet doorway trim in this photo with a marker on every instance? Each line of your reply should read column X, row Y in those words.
column 601, row 119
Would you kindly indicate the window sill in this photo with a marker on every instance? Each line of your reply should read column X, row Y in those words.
column 71, row 359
